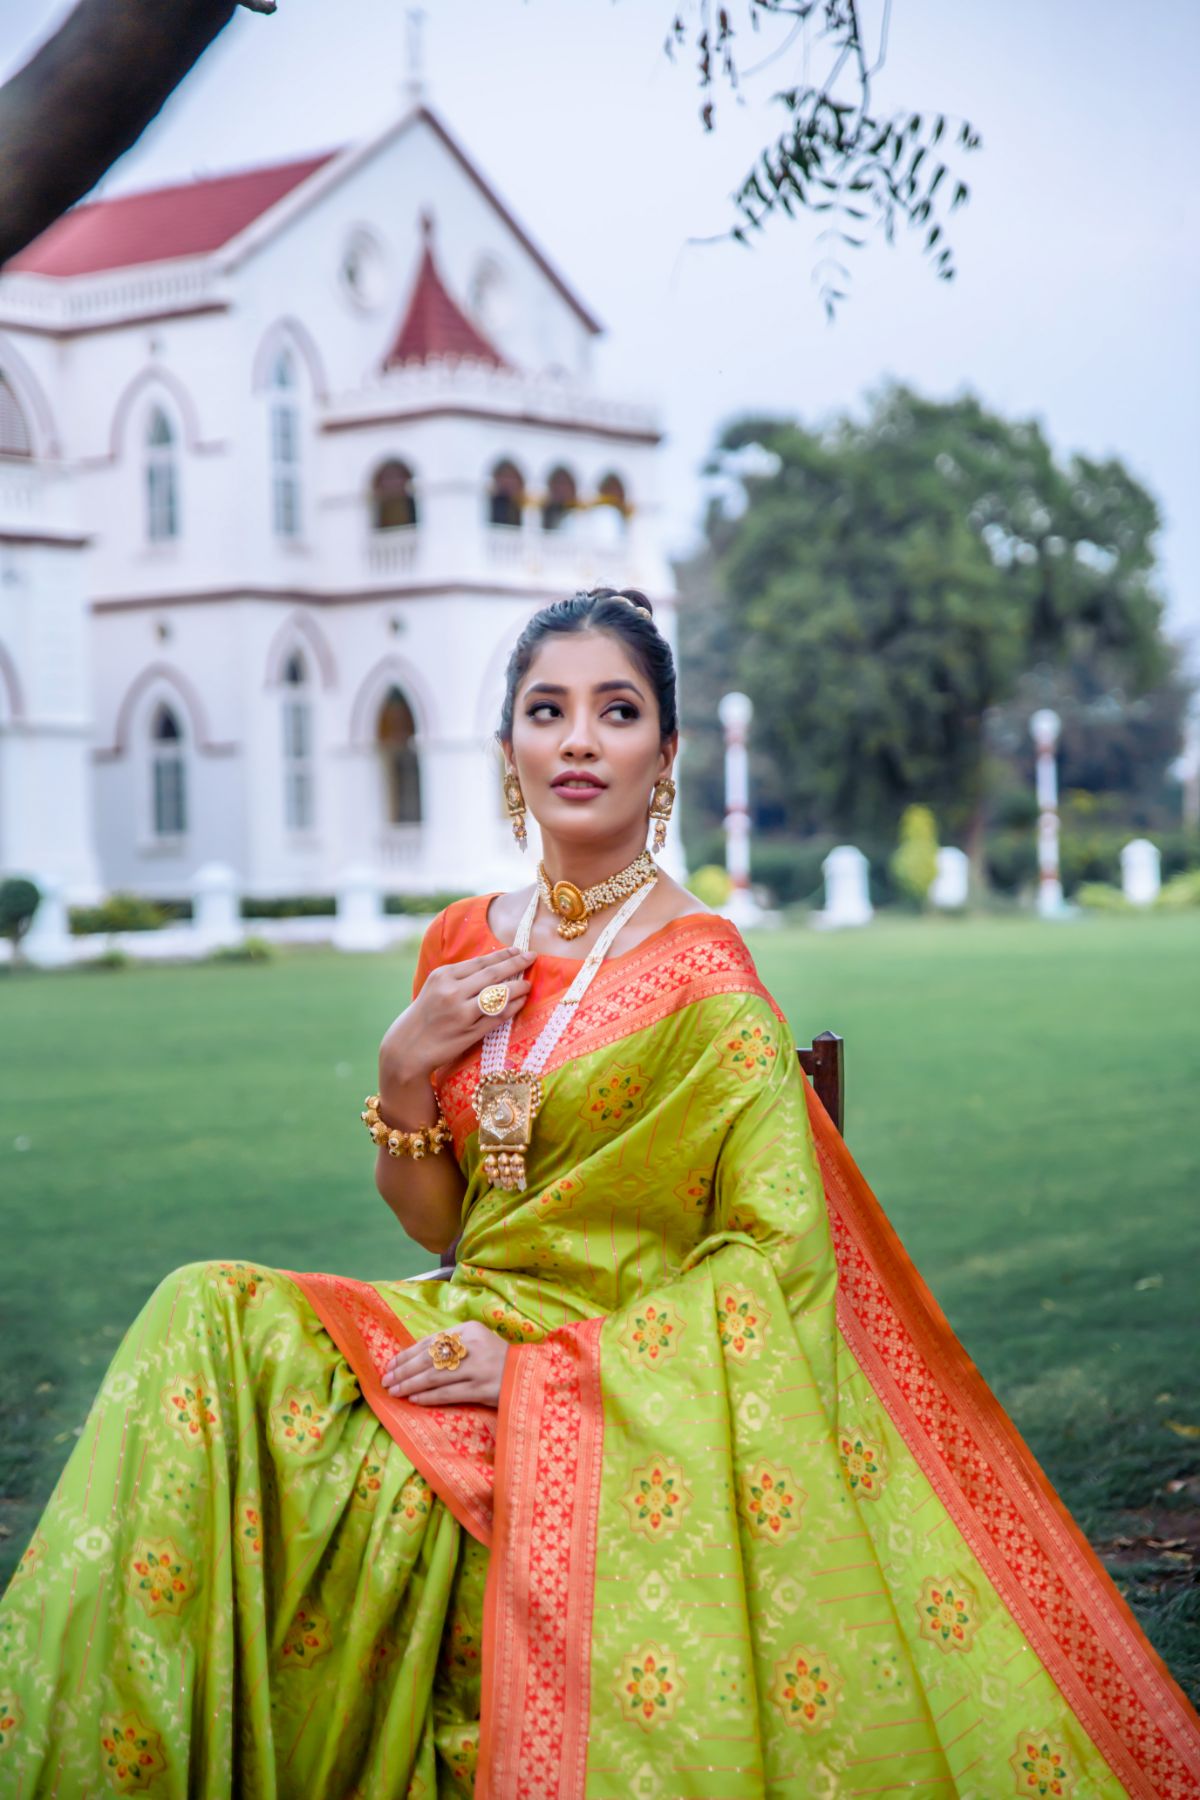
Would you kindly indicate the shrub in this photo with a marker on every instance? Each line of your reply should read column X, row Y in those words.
column 913, row 864
column 710, row 883
column 290, row 906
column 19, row 900
column 109, row 959
column 119, row 912
column 250, row 950
column 1182, row 890
column 1102, row 896
column 422, row 903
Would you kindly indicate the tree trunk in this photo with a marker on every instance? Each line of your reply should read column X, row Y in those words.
column 87, row 95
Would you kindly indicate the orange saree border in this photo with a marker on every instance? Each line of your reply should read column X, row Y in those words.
column 454, row 1447
column 999, row 1497
column 537, row 1608
column 689, row 959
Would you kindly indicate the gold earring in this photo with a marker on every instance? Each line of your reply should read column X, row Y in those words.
column 661, row 803
column 514, row 800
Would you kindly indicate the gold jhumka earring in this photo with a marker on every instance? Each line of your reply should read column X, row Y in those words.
column 661, row 803
column 514, row 800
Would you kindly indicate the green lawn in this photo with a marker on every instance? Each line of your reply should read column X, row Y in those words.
column 1021, row 1095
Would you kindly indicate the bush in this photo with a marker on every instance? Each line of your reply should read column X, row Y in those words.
column 913, row 864
column 119, row 912
column 423, row 903
column 109, row 959
column 250, row 950
column 710, row 883
column 1181, row 891
column 290, row 906
column 19, row 899
column 1102, row 896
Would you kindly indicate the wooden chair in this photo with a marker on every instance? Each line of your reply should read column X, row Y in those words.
column 821, row 1062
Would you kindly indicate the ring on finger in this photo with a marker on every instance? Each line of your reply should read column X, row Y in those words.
column 493, row 999
column 446, row 1350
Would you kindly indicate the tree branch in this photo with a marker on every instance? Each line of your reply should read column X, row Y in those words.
column 87, row 95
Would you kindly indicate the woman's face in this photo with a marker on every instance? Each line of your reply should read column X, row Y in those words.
column 586, row 741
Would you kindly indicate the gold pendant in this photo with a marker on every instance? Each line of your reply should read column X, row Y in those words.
column 567, row 901
column 506, row 1105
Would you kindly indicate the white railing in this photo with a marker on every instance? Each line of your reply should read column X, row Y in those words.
column 399, row 847
column 564, row 557
column 393, row 552
column 35, row 299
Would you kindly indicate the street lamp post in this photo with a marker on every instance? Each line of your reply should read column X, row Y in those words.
column 1044, row 727
column 735, row 712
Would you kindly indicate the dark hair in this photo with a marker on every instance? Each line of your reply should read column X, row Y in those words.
column 600, row 609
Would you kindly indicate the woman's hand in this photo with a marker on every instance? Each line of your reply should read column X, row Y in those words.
column 411, row 1374
column 444, row 1020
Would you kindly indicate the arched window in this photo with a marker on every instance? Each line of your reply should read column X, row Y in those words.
column 14, row 428
column 506, row 501
column 561, row 499
column 285, row 447
column 392, row 499
column 298, row 771
column 401, row 767
column 611, row 492
column 162, row 479
column 168, row 775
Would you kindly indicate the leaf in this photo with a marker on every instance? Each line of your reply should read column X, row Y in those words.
column 1182, row 1430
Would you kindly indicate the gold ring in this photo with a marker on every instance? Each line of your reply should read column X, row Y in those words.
column 446, row 1350
column 493, row 999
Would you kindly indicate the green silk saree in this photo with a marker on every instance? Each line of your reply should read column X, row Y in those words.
column 746, row 1523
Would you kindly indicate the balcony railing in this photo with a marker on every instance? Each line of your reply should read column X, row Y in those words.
column 393, row 552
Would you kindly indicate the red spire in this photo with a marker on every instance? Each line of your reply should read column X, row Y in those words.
column 435, row 325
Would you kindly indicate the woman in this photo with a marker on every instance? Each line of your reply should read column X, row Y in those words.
column 681, row 1486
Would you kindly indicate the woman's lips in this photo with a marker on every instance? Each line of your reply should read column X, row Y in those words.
column 585, row 790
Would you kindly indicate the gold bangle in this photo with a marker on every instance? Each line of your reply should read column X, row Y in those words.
column 419, row 1143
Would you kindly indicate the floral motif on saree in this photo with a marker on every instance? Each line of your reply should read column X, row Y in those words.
column 648, row 1686
column 1042, row 1767
column 805, row 1688
column 657, row 1497
column 133, row 1753
column 192, row 1407
column 159, row 1577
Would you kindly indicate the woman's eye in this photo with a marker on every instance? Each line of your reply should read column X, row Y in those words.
column 626, row 707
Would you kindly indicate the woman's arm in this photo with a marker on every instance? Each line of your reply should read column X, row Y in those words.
column 443, row 1022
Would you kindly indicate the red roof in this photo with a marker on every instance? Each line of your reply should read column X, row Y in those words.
column 187, row 219
column 435, row 324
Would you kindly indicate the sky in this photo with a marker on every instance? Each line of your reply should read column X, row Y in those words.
column 1078, row 254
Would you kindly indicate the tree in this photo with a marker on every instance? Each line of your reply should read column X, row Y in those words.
column 90, row 91
column 888, row 584
column 19, row 900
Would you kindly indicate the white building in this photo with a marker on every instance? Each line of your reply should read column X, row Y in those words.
column 287, row 457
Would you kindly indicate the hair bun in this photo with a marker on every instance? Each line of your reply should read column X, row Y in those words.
column 634, row 596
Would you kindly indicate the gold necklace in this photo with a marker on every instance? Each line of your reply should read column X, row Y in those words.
column 572, row 906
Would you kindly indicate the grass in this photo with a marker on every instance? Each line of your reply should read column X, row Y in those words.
column 1021, row 1095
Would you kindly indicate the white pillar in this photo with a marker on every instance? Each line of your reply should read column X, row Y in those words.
column 950, row 884
column 1044, row 727
column 847, row 889
column 1141, row 868
column 216, row 916
column 735, row 712
column 360, row 921
column 47, row 942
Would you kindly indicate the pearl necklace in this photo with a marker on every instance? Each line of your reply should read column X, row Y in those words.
column 508, row 1100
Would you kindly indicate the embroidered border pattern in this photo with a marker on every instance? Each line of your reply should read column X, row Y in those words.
column 999, row 1498
column 454, row 1447
column 693, row 961
column 537, row 1617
